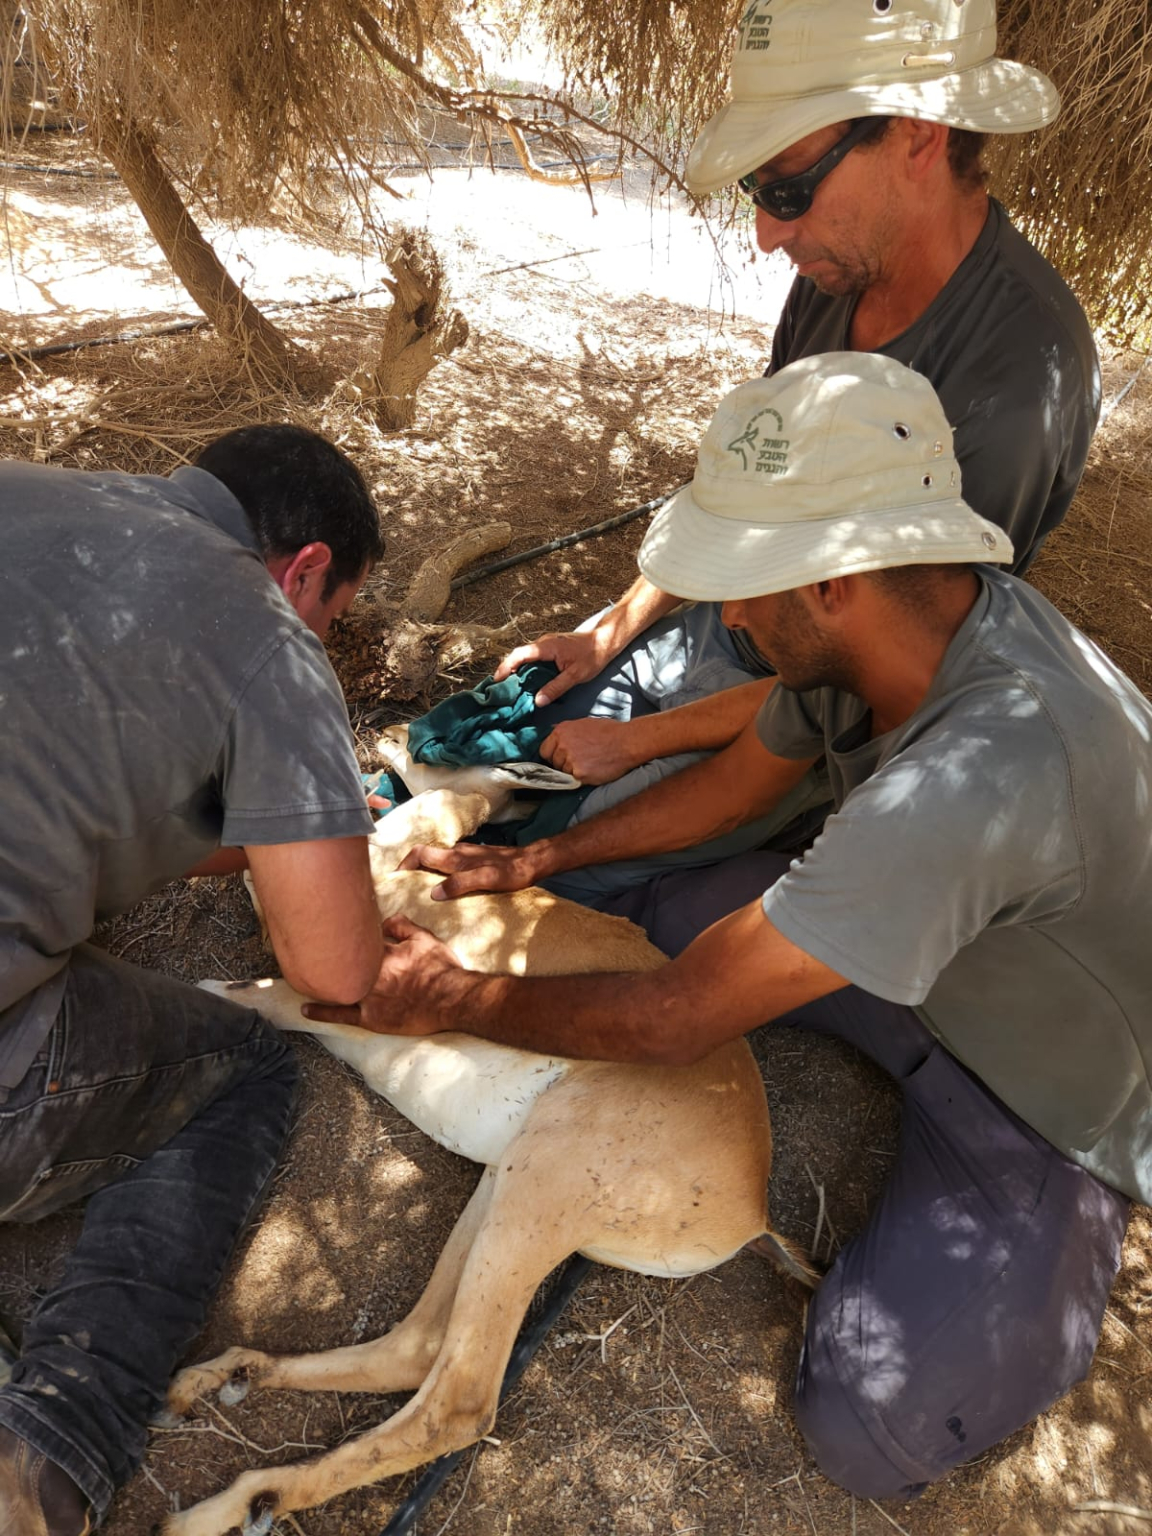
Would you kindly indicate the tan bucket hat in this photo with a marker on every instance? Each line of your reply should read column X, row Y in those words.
column 838, row 464
column 800, row 65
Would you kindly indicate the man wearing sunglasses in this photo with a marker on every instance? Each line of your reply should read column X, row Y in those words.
column 855, row 126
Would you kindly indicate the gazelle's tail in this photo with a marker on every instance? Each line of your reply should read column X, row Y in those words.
column 788, row 1256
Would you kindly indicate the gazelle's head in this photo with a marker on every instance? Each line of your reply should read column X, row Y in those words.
column 451, row 803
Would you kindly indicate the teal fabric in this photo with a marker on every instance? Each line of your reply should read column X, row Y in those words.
column 390, row 786
column 493, row 723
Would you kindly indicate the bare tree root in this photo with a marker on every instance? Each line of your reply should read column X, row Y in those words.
column 576, row 176
column 420, row 649
column 428, row 595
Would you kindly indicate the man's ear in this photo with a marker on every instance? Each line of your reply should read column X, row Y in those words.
column 830, row 598
column 924, row 146
column 301, row 576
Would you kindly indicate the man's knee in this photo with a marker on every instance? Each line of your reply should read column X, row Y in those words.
column 834, row 1421
column 272, row 1077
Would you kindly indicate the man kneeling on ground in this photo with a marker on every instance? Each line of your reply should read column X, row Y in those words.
column 973, row 915
column 163, row 691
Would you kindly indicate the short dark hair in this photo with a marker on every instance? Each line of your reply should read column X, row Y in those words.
column 880, row 126
column 964, row 149
column 297, row 488
column 916, row 587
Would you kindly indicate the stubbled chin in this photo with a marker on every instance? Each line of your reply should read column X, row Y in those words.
column 837, row 285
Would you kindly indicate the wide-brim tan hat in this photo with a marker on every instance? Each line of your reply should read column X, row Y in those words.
column 800, row 66
column 839, row 464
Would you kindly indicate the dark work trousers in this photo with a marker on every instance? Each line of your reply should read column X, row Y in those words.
column 974, row 1296
column 168, row 1107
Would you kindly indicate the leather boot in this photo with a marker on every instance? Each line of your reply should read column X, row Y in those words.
column 37, row 1498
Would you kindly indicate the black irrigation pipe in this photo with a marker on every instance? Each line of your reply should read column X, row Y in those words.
column 174, row 328
column 562, row 543
column 532, row 1335
column 57, row 349
column 481, row 162
column 57, row 170
column 50, row 128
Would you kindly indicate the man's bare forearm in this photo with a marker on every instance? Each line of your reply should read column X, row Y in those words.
column 706, row 800
column 578, row 1016
column 705, row 724
column 737, row 974
column 642, row 605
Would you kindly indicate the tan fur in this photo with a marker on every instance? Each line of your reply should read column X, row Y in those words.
column 662, row 1170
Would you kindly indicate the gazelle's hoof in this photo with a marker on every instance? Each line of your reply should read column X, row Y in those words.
column 260, row 1519
column 166, row 1418
column 234, row 1390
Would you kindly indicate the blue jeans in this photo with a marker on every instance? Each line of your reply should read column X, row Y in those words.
column 974, row 1296
column 168, row 1107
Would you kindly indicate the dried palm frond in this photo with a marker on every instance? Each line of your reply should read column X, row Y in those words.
column 1082, row 189
column 661, row 64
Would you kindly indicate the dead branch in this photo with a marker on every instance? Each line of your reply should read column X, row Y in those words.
column 417, row 332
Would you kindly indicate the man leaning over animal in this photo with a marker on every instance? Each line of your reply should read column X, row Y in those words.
column 160, row 647
column 973, row 916
column 856, row 127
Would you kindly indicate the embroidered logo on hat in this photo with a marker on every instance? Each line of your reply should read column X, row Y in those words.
column 769, row 455
column 838, row 464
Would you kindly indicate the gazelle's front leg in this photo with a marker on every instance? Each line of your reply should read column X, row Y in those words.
column 398, row 1362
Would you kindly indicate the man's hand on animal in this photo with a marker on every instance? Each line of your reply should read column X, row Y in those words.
column 412, row 995
column 582, row 654
column 673, row 1015
column 579, row 656
column 596, row 751
column 473, row 867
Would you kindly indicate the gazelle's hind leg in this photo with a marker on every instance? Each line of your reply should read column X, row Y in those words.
column 397, row 1362
column 523, row 1235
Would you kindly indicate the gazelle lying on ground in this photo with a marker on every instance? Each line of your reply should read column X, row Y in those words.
column 662, row 1170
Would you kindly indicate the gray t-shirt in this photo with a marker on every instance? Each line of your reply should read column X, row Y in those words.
column 158, row 697
column 989, row 863
column 1009, row 351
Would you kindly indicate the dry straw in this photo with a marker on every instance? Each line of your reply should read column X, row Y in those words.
column 1082, row 190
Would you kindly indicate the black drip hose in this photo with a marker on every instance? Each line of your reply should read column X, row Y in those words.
column 173, row 328
column 553, row 544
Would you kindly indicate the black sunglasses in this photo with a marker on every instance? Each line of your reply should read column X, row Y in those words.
column 791, row 196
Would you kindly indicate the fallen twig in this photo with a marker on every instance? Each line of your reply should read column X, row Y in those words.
column 895, row 1524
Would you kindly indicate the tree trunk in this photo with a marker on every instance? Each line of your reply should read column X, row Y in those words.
column 195, row 263
column 417, row 332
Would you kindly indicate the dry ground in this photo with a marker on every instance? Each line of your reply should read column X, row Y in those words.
column 655, row 1406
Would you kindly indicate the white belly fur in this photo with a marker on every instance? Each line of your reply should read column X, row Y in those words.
column 469, row 1095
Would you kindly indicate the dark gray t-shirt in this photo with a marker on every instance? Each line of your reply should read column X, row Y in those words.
column 988, row 862
column 1007, row 348
column 158, row 697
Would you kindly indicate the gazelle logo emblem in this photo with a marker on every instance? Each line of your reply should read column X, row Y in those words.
column 770, row 452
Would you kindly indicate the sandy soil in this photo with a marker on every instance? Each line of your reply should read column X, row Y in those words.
column 654, row 1407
